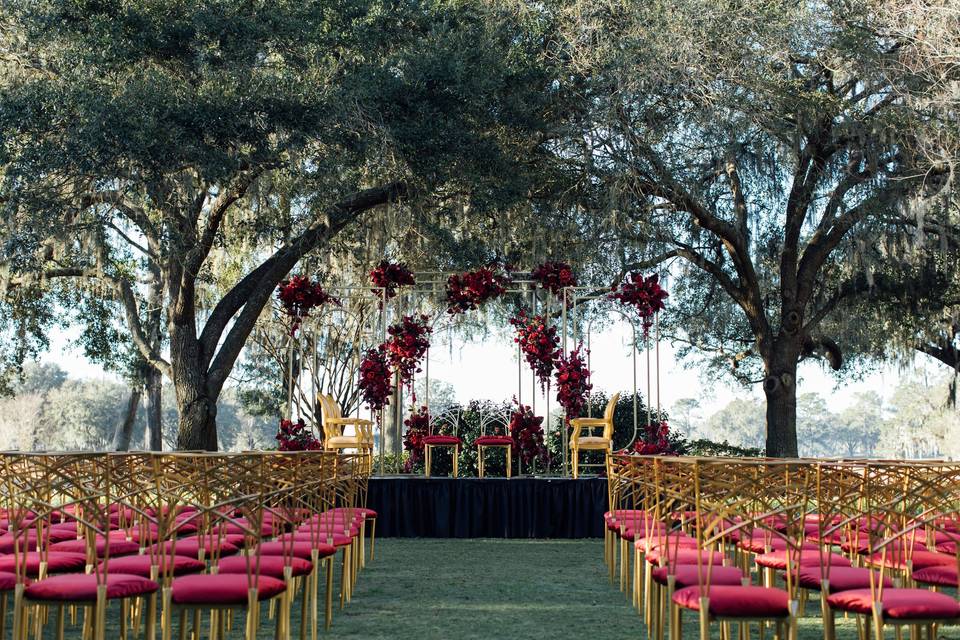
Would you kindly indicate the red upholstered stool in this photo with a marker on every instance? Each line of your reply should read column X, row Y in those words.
column 484, row 442
column 429, row 442
column 57, row 562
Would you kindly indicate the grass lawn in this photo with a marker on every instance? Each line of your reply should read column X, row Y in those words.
column 474, row 589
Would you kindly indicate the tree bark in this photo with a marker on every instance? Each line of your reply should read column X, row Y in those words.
column 124, row 431
column 780, row 388
column 154, row 411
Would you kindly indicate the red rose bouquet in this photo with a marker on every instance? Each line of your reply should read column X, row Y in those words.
column 573, row 382
column 526, row 430
column 468, row 291
column 554, row 277
column 375, row 377
column 390, row 276
column 656, row 441
column 418, row 426
column 407, row 344
column 298, row 296
column 645, row 294
column 539, row 344
column 294, row 436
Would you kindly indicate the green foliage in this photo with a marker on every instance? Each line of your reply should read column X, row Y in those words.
column 704, row 447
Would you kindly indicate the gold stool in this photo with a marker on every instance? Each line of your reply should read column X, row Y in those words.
column 429, row 442
column 484, row 442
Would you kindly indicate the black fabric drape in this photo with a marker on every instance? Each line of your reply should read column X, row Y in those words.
column 488, row 508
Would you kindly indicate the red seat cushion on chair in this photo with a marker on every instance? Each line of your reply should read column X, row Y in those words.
column 8, row 581
column 841, row 578
column 271, row 566
column 686, row 575
column 57, row 562
column 808, row 558
column 141, row 565
column 684, row 556
column 921, row 559
column 7, row 542
column 118, row 546
column 222, row 589
column 441, row 440
column 82, row 587
column 298, row 549
column 940, row 575
column 899, row 604
column 191, row 546
column 493, row 440
column 338, row 539
column 737, row 602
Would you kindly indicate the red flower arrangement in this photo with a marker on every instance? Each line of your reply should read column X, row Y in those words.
column 390, row 276
column 294, row 436
column 526, row 430
column 573, row 382
column 645, row 294
column 468, row 291
column 299, row 296
column 407, row 344
column 539, row 343
column 656, row 441
column 375, row 377
column 418, row 426
column 554, row 277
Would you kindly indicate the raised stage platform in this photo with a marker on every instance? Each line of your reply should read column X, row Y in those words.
column 525, row 507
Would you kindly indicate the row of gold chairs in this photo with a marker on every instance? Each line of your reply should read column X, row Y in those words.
column 200, row 543
column 748, row 541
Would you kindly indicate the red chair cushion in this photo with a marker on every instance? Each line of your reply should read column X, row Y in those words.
column 118, row 546
column 758, row 543
column 271, row 566
column 82, row 587
column 899, row 604
column 296, row 549
column 808, row 558
column 940, row 575
column 191, row 546
column 896, row 559
column 7, row 542
column 338, row 539
column 8, row 581
column 673, row 541
column 685, row 556
column 737, row 602
column 367, row 513
column 686, row 575
column 843, row 578
column 441, row 440
column 494, row 440
column 57, row 562
column 222, row 588
column 141, row 565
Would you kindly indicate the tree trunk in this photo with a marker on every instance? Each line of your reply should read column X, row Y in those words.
column 780, row 387
column 197, row 427
column 121, row 437
column 153, row 408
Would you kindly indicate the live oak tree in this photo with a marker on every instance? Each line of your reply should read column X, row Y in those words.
column 767, row 146
column 162, row 133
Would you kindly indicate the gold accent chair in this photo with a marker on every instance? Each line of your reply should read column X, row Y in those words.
column 590, row 442
column 333, row 424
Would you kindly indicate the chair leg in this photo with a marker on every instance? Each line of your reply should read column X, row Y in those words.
column 509, row 460
column 479, row 461
column 576, row 463
column 456, row 460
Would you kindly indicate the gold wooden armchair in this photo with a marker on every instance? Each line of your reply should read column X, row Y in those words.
column 333, row 424
column 590, row 442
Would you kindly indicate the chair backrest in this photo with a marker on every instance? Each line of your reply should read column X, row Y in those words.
column 608, row 416
column 327, row 412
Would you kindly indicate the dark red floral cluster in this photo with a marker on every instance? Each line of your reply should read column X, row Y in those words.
column 554, row 277
column 299, row 295
column 526, row 430
column 375, row 377
column 539, row 344
column 656, row 441
column 573, row 382
column 645, row 294
column 294, row 436
column 390, row 276
column 407, row 344
column 418, row 426
column 467, row 291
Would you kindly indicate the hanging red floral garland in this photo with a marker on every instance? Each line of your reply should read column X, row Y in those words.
column 526, row 430
column 407, row 344
column 467, row 291
column 539, row 344
column 390, row 276
column 298, row 296
column 294, row 436
column 418, row 426
column 645, row 294
column 573, row 383
column 554, row 277
column 375, row 378
column 656, row 441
